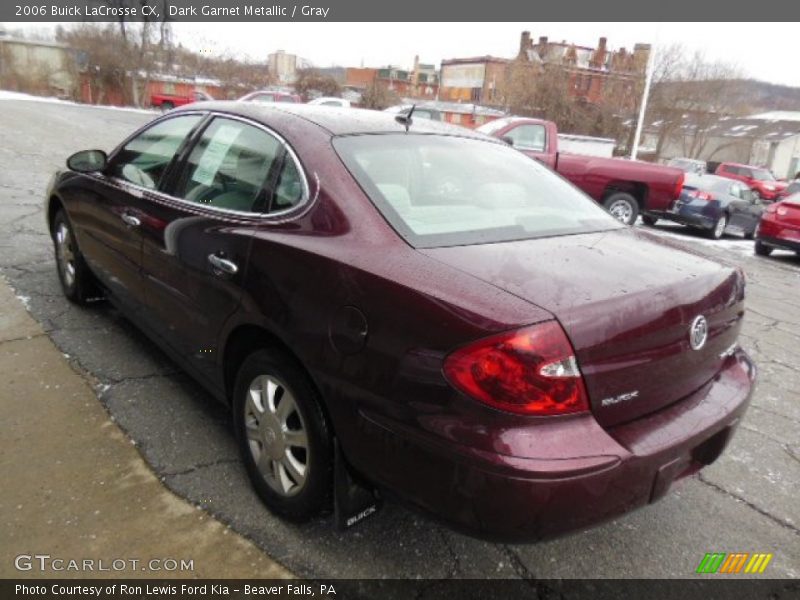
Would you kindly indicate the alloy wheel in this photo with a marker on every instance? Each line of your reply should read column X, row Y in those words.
column 621, row 210
column 65, row 254
column 276, row 435
column 719, row 227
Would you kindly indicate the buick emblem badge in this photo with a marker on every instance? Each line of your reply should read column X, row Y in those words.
column 698, row 332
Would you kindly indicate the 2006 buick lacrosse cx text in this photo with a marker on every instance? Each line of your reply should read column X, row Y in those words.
column 413, row 303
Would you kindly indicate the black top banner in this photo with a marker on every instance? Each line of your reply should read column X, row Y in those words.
column 398, row 10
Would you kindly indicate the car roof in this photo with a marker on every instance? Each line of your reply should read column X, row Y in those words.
column 733, row 164
column 334, row 120
column 707, row 180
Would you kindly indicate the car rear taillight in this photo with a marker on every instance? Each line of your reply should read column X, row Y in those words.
column 679, row 185
column 701, row 195
column 531, row 371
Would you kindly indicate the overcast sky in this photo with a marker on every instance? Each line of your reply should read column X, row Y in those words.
column 765, row 51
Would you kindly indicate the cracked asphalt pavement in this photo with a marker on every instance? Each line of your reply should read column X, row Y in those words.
column 747, row 501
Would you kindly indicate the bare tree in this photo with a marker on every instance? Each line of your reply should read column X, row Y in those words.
column 311, row 80
column 378, row 97
column 689, row 96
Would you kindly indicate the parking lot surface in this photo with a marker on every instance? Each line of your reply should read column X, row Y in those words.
column 746, row 502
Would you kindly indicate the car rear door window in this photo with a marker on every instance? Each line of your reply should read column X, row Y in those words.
column 230, row 166
column 145, row 158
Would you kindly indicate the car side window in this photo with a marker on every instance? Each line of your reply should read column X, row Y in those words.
column 289, row 190
column 528, row 137
column 229, row 166
column 145, row 158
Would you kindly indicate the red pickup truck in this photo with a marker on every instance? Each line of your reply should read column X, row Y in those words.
column 170, row 101
column 625, row 187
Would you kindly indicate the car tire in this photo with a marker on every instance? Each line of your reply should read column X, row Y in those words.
column 167, row 106
column 718, row 230
column 77, row 281
column 622, row 207
column 761, row 249
column 749, row 235
column 649, row 221
column 287, row 449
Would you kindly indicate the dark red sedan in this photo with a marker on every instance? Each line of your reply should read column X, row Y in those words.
column 414, row 305
column 779, row 227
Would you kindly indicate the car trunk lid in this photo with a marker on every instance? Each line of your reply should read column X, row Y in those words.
column 627, row 302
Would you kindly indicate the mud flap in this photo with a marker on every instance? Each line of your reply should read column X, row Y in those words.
column 353, row 498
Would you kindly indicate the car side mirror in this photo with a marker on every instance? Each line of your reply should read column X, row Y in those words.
column 508, row 140
column 88, row 161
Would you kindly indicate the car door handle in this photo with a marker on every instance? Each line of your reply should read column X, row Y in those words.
column 223, row 264
column 130, row 220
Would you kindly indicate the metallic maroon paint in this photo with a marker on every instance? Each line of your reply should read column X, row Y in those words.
column 625, row 299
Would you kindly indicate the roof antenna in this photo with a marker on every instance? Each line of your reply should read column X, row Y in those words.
column 405, row 119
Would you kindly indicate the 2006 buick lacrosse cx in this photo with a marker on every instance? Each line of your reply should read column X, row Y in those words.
column 415, row 303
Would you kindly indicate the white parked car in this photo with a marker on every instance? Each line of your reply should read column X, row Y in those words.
column 330, row 101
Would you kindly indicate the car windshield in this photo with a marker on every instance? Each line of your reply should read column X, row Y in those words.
column 763, row 175
column 445, row 190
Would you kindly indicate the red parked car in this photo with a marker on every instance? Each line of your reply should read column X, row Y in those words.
column 414, row 303
column 625, row 187
column 760, row 180
column 779, row 227
column 169, row 101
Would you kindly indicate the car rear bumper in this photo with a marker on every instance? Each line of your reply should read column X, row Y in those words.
column 689, row 215
column 496, row 496
column 774, row 242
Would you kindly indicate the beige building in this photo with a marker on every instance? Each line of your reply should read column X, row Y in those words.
column 759, row 141
column 37, row 67
column 283, row 67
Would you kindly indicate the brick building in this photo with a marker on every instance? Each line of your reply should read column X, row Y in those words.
column 593, row 73
column 422, row 81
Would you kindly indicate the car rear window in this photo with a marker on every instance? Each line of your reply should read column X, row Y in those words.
column 445, row 190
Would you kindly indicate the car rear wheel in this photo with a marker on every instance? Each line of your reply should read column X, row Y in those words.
column 622, row 207
column 283, row 435
column 718, row 230
column 77, row 281
column 762, row 249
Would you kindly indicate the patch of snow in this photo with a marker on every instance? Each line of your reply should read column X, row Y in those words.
column 26, row 301
column 7, row 95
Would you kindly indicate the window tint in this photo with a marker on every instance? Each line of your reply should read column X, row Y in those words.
column 145, row 158
column 528, row 137
column 229, row 166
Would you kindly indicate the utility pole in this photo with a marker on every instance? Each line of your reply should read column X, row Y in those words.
column 651, row 63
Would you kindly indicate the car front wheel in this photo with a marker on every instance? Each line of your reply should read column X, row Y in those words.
column 283, row 435
column 622, row 207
